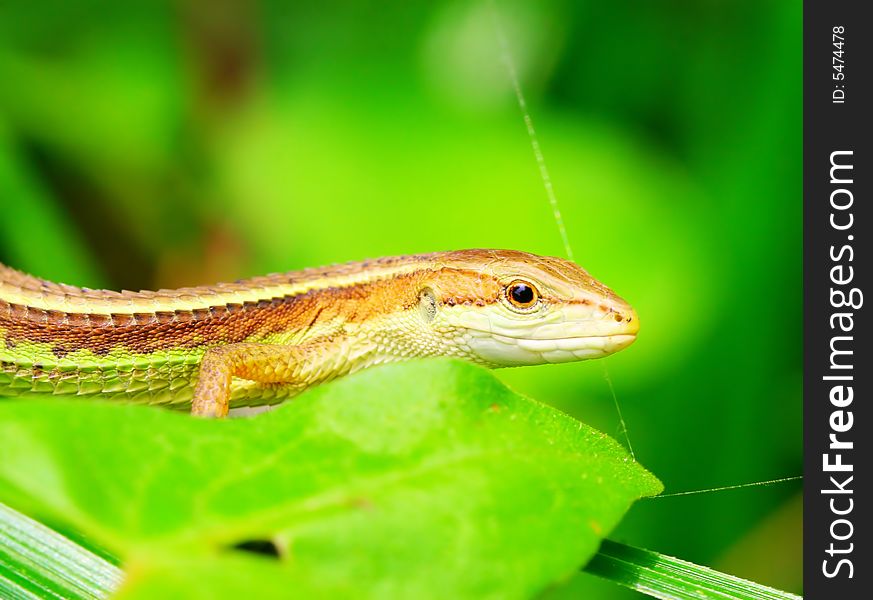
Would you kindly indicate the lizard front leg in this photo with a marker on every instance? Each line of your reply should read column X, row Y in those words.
column 263, row 363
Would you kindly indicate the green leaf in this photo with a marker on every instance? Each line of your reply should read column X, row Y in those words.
column 427, row 479
column 670, row 578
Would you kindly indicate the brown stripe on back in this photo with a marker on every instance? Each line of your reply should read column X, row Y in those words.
column 47, row 293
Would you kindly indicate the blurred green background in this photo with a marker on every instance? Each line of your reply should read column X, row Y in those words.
column 148, row 144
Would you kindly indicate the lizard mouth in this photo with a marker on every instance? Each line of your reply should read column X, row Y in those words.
column 517, row 350
column 606, row 343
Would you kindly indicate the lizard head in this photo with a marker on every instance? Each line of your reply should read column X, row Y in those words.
column 508, row 308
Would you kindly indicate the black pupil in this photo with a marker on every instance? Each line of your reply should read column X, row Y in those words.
column 521, row 293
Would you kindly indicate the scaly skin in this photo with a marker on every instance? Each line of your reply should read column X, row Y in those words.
column 262, row 340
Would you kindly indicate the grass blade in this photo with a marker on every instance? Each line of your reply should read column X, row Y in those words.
column 670, row 578
column 38, row 562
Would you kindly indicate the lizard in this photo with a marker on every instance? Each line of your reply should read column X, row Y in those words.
column 261, row 340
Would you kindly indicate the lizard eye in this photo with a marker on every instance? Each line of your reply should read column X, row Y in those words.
column 521, row 294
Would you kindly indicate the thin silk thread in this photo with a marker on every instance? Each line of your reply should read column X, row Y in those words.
column 730, row 487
